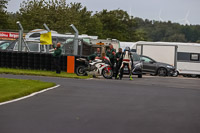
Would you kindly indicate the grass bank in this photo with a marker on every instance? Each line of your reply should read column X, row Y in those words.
column 14, row 88
column 39, row 73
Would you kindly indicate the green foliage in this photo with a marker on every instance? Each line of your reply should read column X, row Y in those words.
column 3, row 14
column 94, row 26
column 12, row 19
column 3, row 4
column 3, row 20
column 56, row 14
column 115, row 24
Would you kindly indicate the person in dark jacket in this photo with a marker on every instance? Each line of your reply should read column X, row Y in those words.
column 118, row 61
column 95, row 55
column 56, row 57
column 111, row 54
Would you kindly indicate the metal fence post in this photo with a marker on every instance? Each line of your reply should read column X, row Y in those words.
column 75, row 39
column 20, row 36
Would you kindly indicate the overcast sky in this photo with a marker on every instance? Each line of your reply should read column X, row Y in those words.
column 182, row 11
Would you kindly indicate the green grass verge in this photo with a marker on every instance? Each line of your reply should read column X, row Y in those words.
column 40, row 73
column 15, row 88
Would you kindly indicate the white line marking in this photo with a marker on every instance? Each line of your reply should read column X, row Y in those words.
column 28, row 96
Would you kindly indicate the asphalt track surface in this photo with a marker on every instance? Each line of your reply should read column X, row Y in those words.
column 147, row 105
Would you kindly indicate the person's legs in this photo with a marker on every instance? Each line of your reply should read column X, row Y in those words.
column 58, row 70
column 117, row 69
column 130, row 72
column 121, row 71
column 113, row 68
column 57, row 64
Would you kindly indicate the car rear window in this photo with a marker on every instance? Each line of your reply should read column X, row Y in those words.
column 136, row 57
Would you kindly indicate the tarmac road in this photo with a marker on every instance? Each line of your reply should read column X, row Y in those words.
column 147, row 105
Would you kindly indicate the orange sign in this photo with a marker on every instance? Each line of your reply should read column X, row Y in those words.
column 99, row 43
column 70, row 64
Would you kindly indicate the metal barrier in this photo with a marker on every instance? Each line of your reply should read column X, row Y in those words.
column 35, row 61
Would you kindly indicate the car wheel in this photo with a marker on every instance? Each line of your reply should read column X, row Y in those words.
column 162, row 72
column 175, row 74
column 140, row 76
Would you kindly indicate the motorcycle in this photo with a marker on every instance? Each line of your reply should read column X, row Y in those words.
column 97, row 66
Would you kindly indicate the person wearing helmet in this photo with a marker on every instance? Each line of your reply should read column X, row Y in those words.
column 126, row 60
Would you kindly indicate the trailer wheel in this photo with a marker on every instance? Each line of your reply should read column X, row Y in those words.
column 184, row 75
column 162, row 72
column 194, row 76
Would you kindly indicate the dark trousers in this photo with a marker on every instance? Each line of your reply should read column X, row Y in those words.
column 122, row 70
column 112, row 66
column 118, row 64
column 57, row 64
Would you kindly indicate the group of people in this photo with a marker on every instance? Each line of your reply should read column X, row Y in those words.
column 121, row 59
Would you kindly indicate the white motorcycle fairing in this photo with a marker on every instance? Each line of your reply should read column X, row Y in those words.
column 99, row 65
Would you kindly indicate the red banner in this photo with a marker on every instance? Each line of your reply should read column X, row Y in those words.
column 9, row 35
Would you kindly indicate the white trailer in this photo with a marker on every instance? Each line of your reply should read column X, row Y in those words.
column 184, row 56
column 132, row 46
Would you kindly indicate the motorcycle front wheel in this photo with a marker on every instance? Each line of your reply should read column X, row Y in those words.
column 108, row 74
column 80, row 71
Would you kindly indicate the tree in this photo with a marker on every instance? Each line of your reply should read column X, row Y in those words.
column 117, row 24
column 177, row 38
column 56, row 14
column 3, row 4
column 94, row 27
column 3, row 15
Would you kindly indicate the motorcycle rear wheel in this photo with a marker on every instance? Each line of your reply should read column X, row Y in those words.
column 80, row 71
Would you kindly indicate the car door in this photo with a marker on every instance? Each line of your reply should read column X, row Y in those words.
column 149, row 65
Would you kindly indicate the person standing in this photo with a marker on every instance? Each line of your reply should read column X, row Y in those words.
column 108, row 52
column 127, row 60
column 111, row 54
column 56, row 57
column 118, row 61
